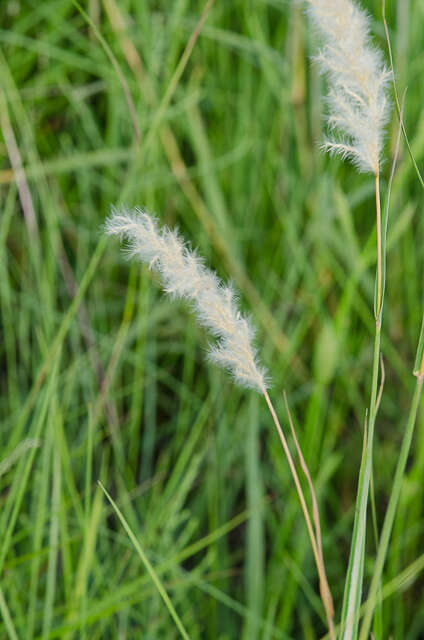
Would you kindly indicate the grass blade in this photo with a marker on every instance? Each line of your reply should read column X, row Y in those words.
column 149, row 567
column 349, row 624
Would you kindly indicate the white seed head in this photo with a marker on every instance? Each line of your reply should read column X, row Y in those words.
column 184, row 275
column 357, row 98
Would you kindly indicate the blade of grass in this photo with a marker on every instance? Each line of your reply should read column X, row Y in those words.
column 391, row 509
column 149, row 567
column 397, row 101
column 117, row 68
column 354, row 570
column 48, row 614
column 57, row 343
column 7, row 617
column 16, row 493
column 182, row 63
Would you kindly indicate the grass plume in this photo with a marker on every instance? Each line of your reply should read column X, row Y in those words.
column 358, row 107
column 184, row 275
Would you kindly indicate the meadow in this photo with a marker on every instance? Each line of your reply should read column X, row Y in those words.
column 209, row 115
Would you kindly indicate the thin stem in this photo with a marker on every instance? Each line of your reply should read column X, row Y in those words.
column 391, row 509
column 315, row 509
column 354, row 579
column 379, row 262
column 324, row 588
column 362, row 501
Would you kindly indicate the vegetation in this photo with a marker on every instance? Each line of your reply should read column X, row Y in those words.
column 213, row 121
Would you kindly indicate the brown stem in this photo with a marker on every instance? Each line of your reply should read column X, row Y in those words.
column 324, row 587
column 315, row 509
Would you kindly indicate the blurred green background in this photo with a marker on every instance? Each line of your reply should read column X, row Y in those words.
column 104, row 378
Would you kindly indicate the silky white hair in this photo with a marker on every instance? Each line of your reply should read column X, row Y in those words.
column 357, row 96
column 184, row 275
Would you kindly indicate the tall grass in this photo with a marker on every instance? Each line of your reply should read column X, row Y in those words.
column 108, row 378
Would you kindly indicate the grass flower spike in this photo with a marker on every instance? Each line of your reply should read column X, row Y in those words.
column 358, row 79
column 184, row 275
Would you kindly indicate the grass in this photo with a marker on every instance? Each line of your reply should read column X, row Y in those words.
column 104, row 379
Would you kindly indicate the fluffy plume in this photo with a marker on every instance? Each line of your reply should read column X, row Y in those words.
column 358, row 79
column 184, row 275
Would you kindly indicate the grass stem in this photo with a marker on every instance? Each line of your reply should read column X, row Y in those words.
column 379, row 253
column 354, row 578
column 317, row 551
column 391, row 509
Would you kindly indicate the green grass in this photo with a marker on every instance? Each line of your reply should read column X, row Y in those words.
column 105, row 379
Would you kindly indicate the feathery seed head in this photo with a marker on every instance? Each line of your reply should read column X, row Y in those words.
column 357, row 98
column 184, row 275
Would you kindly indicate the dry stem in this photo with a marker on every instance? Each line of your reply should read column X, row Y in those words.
column 316, row 548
